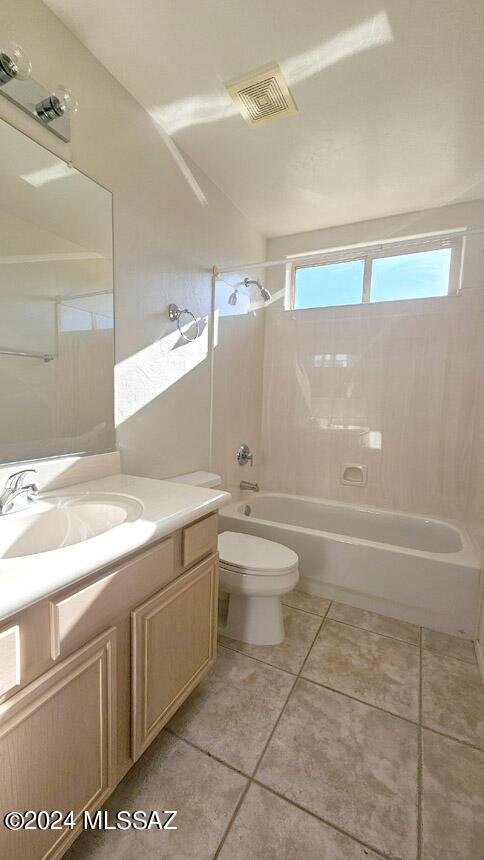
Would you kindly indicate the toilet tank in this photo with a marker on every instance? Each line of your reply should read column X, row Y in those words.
column 198, row 479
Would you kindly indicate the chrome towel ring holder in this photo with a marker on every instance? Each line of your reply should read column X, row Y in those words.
column 174, row 313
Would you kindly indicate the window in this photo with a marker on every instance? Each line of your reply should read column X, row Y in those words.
column 414, row 269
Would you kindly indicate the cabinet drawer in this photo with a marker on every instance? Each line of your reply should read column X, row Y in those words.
column 174, row 642
column 199, row 540
column 78, row 615
column 9, row 659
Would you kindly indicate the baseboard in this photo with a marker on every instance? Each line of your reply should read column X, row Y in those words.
column 480, row 657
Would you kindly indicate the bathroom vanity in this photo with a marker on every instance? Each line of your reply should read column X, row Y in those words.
column 93, row 662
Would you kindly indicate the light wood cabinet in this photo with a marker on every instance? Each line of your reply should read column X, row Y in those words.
column 57, row 747
column 75, row 716
column 173, row 644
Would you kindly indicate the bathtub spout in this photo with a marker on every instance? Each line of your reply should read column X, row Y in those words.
column 246, row 485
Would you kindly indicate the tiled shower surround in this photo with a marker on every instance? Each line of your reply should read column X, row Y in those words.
column 360, row 737
column 398, row 386
column 393, row 386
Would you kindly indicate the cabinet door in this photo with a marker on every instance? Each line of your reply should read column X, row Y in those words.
column 174, row 643
column 57, row 747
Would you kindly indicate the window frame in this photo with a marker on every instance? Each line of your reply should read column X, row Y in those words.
column 375, row 252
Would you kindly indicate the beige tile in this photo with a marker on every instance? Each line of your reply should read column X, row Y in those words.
column 300, row 628
column 349, row 763
column 376, row 669
column 453, row 800
column 269, row 828
column 306, row 602
column 233, row 711
column 451, row 646
column 170, row 775
column 374, row 622
column 453, row 698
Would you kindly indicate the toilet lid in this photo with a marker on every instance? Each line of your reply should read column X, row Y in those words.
column 254, row 554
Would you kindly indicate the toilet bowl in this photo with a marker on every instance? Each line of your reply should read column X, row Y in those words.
column 255, row 572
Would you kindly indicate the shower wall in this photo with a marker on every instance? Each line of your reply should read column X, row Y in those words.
column 237, row 383
column 392, row 386
column 398, row 387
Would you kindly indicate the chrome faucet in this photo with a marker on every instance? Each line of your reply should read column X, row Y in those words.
column 16, row 488
column 244, row 455
column 246, row 485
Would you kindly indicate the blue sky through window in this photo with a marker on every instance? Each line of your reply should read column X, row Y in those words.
column 402, row 276
column 330, row 285
column 411, row 276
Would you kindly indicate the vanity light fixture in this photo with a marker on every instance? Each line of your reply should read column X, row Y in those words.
column 14, row 63
column 61, row 102
column 51, row 108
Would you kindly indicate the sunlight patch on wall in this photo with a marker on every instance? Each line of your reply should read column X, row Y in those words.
column 144, row 376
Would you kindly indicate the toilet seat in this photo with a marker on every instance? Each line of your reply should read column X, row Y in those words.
column 246, row 554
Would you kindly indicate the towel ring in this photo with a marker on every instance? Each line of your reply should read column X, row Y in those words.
column 174, row 312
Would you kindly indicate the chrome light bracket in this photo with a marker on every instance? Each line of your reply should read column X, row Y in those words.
column 29, row 95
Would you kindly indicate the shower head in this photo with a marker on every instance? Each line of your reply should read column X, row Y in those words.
column 265, row 294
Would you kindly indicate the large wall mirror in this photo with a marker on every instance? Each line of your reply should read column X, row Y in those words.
column 56, row 306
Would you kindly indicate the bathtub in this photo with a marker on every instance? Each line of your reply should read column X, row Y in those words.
column 408, row 566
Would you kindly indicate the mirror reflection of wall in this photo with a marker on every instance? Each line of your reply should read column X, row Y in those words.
column 56, row 305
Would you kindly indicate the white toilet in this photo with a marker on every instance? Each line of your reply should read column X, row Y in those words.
column 255, row 573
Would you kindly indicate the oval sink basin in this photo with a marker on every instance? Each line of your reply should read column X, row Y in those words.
column 56, row 523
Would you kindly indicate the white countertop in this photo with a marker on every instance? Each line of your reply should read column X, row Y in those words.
column 166, row 507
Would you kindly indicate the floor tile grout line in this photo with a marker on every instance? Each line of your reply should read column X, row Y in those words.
column 302, row 677
column 232, row 819
column 258, row 659
column 271, row 734
column 323, row 619
column 253, row 780
column 417, row 644
column 250, row 778
column 306, row 611
column 325, row 821
column 451, row 656
column 420, row 756
column 207, row 752
column 323, row 622
column 460, row 741
column 360, row 701
column 374, row 632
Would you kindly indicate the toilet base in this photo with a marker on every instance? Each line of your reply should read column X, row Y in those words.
column 255, row 620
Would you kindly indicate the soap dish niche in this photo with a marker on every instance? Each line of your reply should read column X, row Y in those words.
column 354, row 474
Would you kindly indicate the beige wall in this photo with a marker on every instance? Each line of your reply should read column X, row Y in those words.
column 165, row 243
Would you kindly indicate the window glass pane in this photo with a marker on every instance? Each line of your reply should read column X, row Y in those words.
column 411, row 276
column 329, row 285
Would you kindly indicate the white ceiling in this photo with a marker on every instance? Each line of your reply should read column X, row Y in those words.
column 390, row 96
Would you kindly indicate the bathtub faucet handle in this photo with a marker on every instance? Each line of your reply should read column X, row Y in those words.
column 245, row 455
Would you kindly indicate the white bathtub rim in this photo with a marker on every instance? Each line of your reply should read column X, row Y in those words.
column 469, row 555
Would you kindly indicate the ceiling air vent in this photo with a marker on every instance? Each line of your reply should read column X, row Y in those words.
column 262, row 96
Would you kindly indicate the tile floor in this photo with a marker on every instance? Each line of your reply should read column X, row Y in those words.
column 360, row 737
